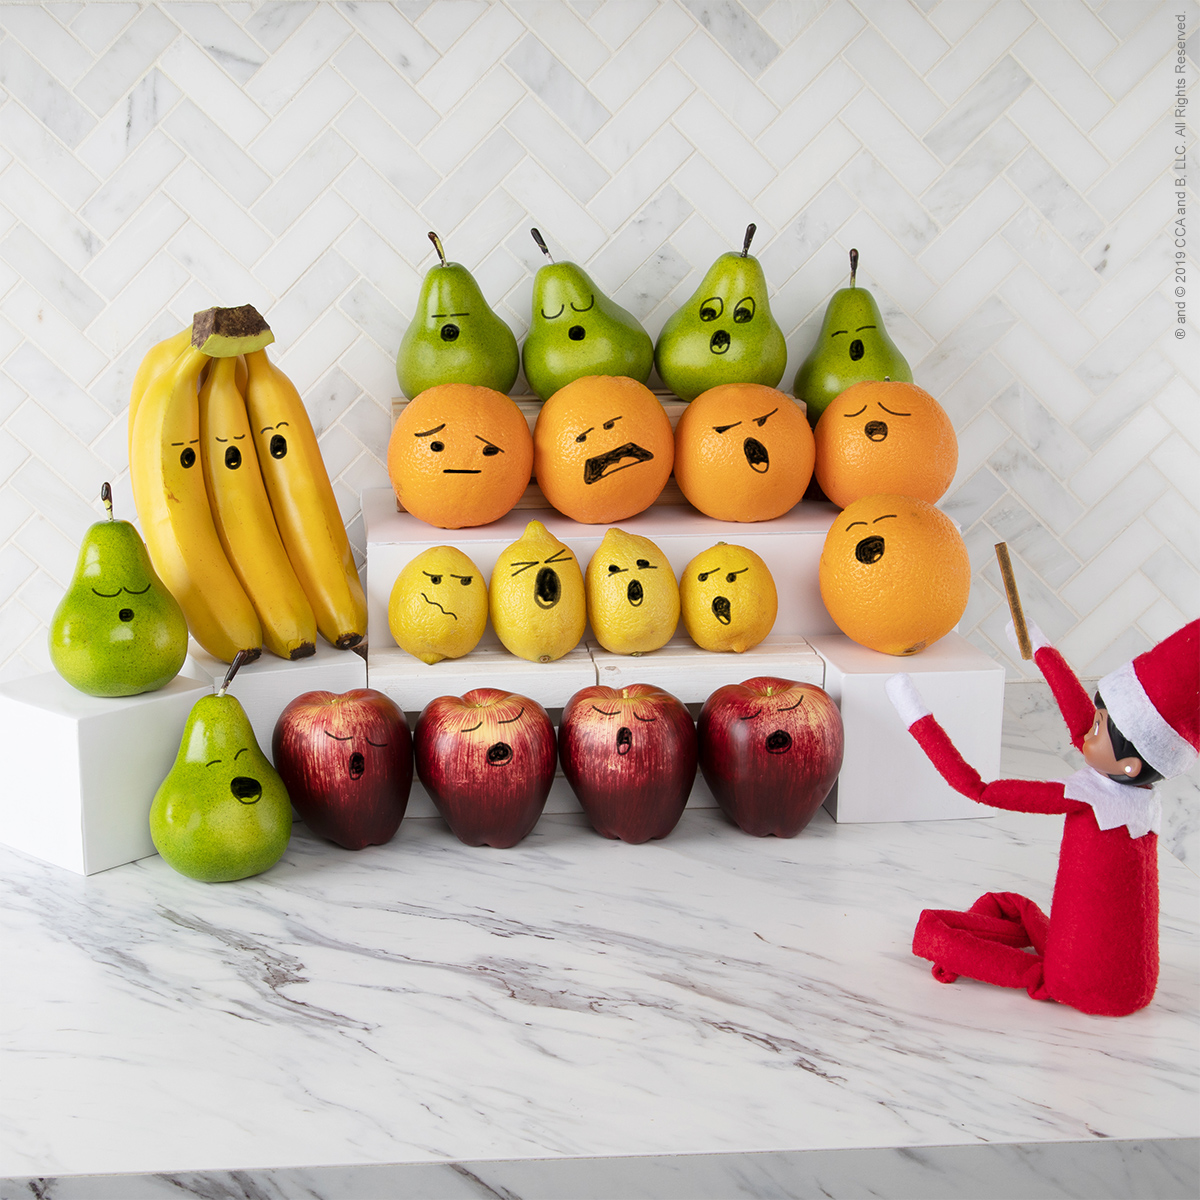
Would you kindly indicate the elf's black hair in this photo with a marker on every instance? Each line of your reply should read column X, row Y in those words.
column 1124, row 748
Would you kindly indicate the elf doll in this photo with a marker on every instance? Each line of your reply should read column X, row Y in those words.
column 1098, row 949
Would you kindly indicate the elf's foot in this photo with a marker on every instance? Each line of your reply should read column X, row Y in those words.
column 942, row 975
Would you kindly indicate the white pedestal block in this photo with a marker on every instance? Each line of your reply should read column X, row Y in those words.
column 790, row 545
column 692, row 675
column 412, row 683
column 266, row 686
column 885, row 775
column 81, row 771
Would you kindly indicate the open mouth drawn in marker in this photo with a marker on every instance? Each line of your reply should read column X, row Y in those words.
column 610, row 463
column 722, row 609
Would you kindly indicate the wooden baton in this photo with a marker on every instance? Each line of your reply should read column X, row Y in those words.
column 1014, row 600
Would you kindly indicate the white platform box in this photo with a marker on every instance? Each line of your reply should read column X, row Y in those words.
column 790, row 545
column 692, row 674
column 266, row 686
column 885, row 775
column 412, row 683
column 81, row 771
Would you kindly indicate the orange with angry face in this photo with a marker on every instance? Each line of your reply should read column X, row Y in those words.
column 602, row 449
column 460, row 455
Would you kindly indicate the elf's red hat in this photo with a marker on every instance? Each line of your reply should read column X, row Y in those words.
column 1155, row 701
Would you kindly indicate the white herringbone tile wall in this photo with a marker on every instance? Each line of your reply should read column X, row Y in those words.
column 1004, row 167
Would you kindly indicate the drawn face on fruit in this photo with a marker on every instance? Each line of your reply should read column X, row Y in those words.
column 565, row 301
column 460, row 455
column 867, row 533
column 621, row 435
column 872, row 415
column 545, row 575
column 630, row 570
column 447, row 591
column 721, row 312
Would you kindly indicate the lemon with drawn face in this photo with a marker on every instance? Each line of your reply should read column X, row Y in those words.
column 728, row 599
column 632, row 596
column 536, row 596
column 439, row 605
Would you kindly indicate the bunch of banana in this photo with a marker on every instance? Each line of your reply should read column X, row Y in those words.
column 234, row 499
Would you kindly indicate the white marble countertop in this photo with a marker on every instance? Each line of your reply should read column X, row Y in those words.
column 571, row 997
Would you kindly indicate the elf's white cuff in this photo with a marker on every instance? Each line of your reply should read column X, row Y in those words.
column 905, row 698
column 1037, row 639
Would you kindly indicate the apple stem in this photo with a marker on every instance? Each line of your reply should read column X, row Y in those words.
column 537, row 237
column 106, row 496
column 853, row 265
column 239, row 659
column 750, row 232
column 437, row 245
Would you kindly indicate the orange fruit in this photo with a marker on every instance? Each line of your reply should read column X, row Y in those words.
column 884, row 436
column 602, row 449
column 894, row 573
column 460, row 455
column 743, row 452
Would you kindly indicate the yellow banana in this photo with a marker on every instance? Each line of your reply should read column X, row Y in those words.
column 302, row 498
column 169, row 492
column 243, row 517
column 158, row 358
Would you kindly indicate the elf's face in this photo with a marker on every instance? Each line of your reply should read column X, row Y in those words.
column 1098, row 750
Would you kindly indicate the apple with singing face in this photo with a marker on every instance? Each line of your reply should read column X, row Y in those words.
column 629, row 754
column 487, row 760
column 770, row 750
column 346, row 760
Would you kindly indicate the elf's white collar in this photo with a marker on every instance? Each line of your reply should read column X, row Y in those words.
column 1114, row 803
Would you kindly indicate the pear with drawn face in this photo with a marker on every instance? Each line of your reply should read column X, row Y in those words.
column 222, row 813
column 455, row 336
column 576, row 330
column 117, row 630
column 853, row 345
column 725, row 333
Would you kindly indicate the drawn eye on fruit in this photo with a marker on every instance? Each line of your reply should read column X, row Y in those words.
column 460, row 455
column 728, row 598
column 743, row 452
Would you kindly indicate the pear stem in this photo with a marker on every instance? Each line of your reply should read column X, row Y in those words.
column 750, row 232
column 106, row 496
column 853, row 265
column 537, row 237
column 239, row 660
column 437, row 245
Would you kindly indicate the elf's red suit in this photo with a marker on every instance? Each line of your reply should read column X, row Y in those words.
column 1098, row 949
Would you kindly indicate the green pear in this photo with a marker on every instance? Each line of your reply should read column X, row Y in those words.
column 725, row 333
column 117, row 631
column 576, row 330
column 852, row 346
column 455, row 337
column 222, row 812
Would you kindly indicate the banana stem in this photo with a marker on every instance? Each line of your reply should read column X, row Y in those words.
column 750, row 232
column 537, row 237
column 853, row 265
column 437, row 245
column 106, row 496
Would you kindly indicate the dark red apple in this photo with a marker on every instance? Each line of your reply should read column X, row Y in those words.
column 629, row 754
column 346, row 761
column 487, row 760
column 770, row 750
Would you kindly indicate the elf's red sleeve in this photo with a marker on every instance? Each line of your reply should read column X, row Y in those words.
column 1073, row 702
column 1017, row 795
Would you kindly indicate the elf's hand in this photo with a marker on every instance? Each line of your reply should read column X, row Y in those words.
column 905, row 698
column 1037, row 639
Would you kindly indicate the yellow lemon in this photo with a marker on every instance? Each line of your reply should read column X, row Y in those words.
column 632, row 596
column 536, row 596
column 439, row 605
column 728, row 598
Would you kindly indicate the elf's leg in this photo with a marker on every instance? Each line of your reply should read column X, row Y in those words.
column 987, row 942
